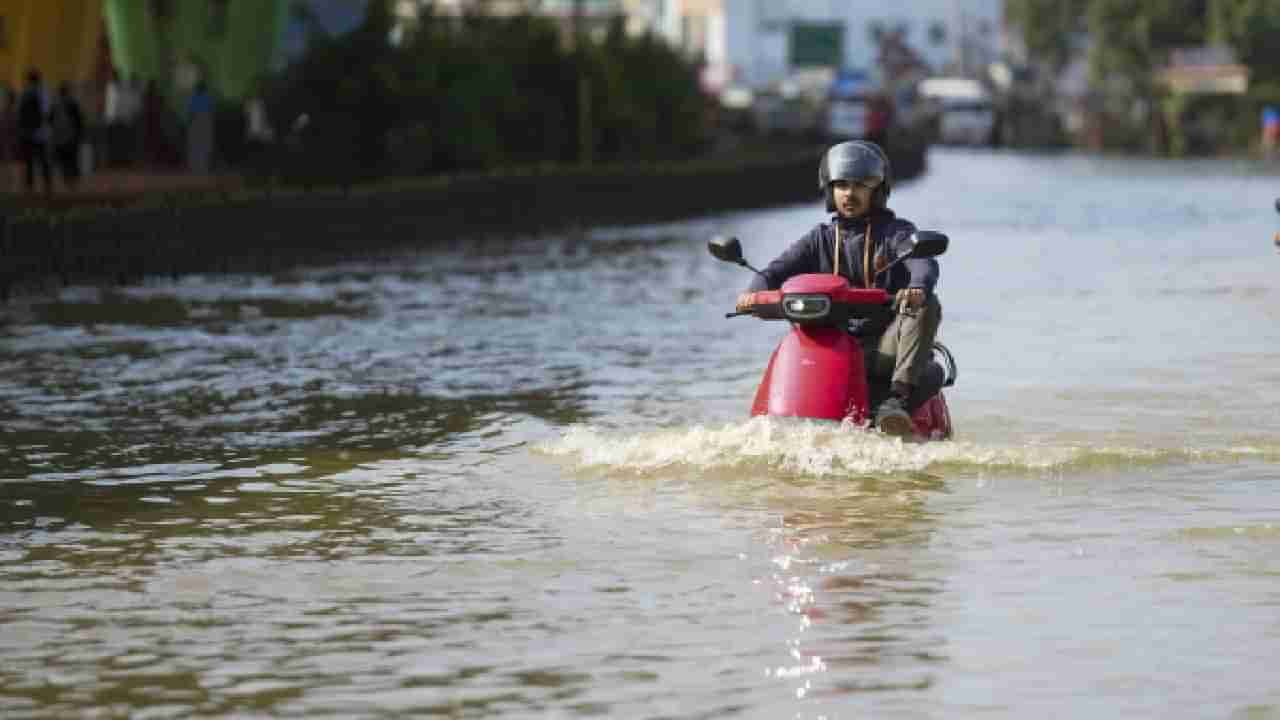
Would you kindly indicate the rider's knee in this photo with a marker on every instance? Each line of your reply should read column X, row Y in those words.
column 930, row 313
column 933, row 309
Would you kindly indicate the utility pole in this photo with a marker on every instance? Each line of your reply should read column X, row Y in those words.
column 586, row 148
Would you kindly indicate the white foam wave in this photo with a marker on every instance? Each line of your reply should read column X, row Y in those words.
column 798, row 447
column 822, row 449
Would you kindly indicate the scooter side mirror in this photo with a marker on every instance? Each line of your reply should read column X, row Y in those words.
column 725, row 248
column 924, row 244
column 927, row 244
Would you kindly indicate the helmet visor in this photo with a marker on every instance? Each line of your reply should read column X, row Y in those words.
column 855, row 164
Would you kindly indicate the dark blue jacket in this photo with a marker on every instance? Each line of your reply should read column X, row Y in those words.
column 813, row 254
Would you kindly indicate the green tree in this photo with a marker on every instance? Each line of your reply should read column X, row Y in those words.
column 1048, row 27
column 481, row 91
column 1132, row 38
column 1250, row 27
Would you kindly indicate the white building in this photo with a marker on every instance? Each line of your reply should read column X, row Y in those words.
column 594, row 14
column 642, row 10
column 757, row 43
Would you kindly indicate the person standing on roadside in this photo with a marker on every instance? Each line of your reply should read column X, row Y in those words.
column 67, row 124
column 258, row 133
column 33, row 131
column 200, row 130
column 154, row 144
column 8, row 135
column 115, row 108
column 1270, row 131
column 132, row 98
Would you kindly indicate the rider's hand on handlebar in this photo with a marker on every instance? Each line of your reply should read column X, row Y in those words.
column 746, row 301
column 909, row 297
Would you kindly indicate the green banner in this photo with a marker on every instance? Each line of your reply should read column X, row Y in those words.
column 817, row 44
column 228, row 43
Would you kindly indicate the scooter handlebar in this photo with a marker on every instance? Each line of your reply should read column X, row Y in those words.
column 767, row 304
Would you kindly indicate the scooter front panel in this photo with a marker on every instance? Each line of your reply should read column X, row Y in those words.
column 814, row 372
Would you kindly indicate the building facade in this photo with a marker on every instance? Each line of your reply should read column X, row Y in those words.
column 60, row 38
column 756, row 43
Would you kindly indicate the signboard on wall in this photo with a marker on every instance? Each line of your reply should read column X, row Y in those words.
column 816, row 44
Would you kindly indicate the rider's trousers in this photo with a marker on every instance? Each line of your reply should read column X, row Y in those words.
column 903, row 351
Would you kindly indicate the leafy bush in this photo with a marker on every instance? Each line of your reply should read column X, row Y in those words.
column 477, row 92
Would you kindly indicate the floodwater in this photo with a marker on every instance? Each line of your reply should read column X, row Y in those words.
column 514, row 477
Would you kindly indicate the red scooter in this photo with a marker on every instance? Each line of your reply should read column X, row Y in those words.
column 817, row 370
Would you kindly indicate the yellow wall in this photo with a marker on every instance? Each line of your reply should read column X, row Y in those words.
column 58, row 37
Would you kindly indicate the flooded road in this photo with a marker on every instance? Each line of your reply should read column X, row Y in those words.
column 515, row 477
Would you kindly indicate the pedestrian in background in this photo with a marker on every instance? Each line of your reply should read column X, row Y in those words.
column 66, row 121
column 155, row 144
column 132, row 98
column 200, row 130
column 8, row 135
column 33, row 131
column 259, row 135
column 114, row 108
column 1270, row 131
column 258, row 132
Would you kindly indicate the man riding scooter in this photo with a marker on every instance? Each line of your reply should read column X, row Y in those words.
column 855, row 179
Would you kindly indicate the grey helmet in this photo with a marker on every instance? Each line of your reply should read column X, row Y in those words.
column 855, row 160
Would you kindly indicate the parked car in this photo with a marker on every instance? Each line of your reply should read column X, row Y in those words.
column 964, row 109
column 857, row 109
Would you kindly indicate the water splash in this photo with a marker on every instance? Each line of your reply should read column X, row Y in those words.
column 822, row 449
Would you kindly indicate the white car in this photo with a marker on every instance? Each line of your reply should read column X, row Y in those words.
column 966, row 123
column 965, row 113
column 848, row 117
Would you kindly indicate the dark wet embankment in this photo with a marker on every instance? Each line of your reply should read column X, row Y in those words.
column 269, row 229
column 264, row 230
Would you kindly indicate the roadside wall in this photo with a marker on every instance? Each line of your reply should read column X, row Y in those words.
column 265, row 230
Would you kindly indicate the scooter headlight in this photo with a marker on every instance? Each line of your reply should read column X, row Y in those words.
column 806, row 308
